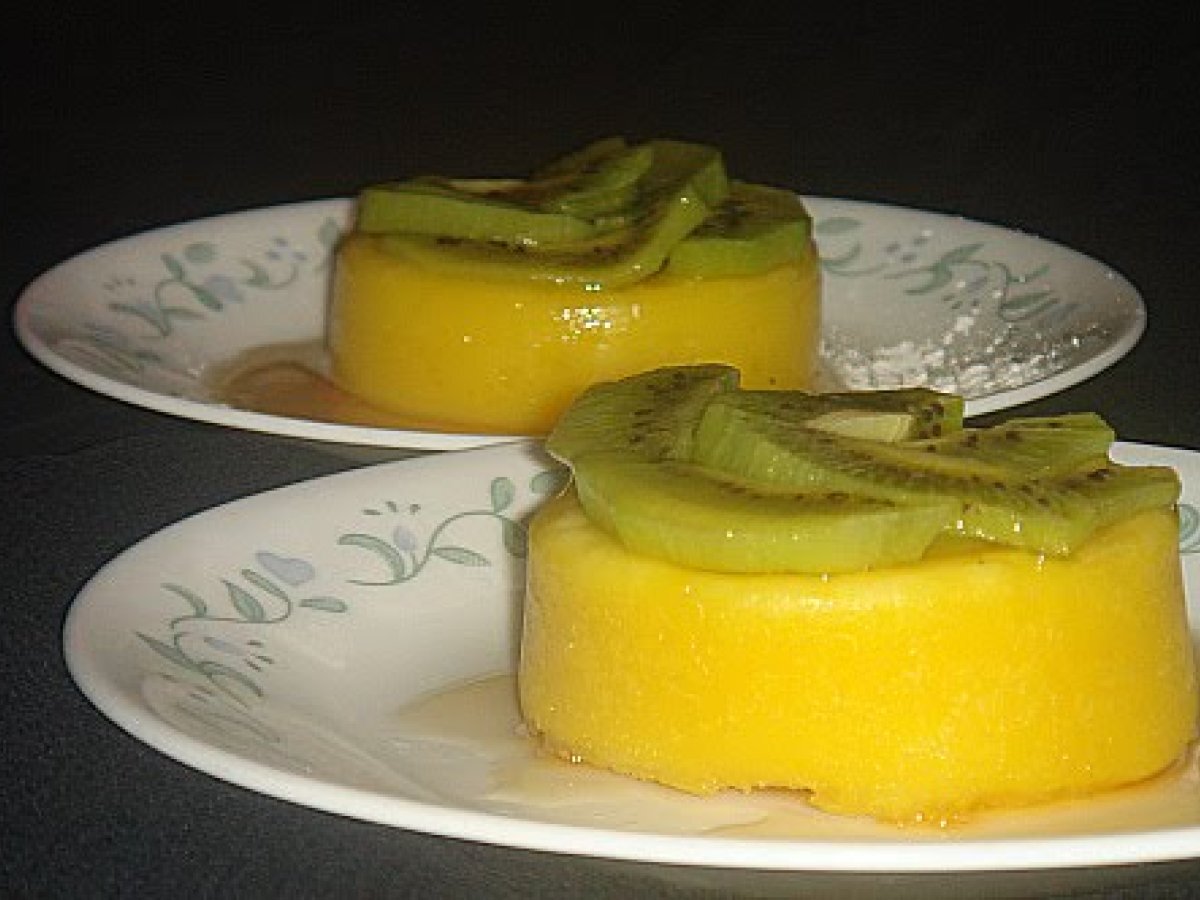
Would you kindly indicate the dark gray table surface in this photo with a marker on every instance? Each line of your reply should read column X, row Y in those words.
column 1074, row 128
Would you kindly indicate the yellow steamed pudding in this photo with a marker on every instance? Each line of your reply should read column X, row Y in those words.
column 984, row 678
column 480, row 305
column 508, row 356
column 977, row 675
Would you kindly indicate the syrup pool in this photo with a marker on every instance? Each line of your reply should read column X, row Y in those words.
column 294, row 381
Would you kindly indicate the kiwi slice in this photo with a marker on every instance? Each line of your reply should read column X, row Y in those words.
column 555, row 206
column 1047, row 497
column 457, row 209
column 673, row 161
column 616, row 257
column 1116, row 490
column 740, row 436
column 933, row 413
column 672, row 200
column 1055, row 515
column 902, row 414
column 598, row 182
column 605, row 216
column 872, row 425
column 753, row 230
column 649, row 416
column 1034, row 447
column 680, row 464
column 627, row 442
column 709, row 520
column 586, row 159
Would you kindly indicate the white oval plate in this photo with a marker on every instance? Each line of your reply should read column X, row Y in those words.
column 288, row 642
column 912, row 298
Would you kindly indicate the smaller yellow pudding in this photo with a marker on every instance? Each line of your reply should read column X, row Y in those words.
column 506, row 356
column 499, row 333
column 856, row 597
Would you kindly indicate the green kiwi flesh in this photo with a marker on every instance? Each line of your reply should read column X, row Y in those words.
column 589, row 158
column 606, row 187
column 442, row 207
column 600, row 179
column 648, row 417
column 872, row 425
column 617, row 257
column 753, row 230
column 879, row 415
column 678, row 512
column 603, row 216
column 672, row 198
column 1047, row 494
column 683, row 465
column 674, row 161
column 1034, row 447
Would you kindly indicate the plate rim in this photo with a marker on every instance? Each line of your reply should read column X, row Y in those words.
column 937, row 854
column 374, row 436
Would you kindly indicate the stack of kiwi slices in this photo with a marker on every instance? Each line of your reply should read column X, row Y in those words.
column 607, row 215
column 680, row 463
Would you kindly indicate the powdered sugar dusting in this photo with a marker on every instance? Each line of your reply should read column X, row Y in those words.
column 964, row 359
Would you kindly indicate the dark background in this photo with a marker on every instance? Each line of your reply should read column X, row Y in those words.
column 1075, row 127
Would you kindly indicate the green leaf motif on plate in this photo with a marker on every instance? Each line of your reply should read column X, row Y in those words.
column 245, row 603
column 197, row 283
column 503, row 494
column 964, row 278
column 403, row 557
column 215, row 645
column 168, row 652
column 461, row 556
column 325, row 604
column 114, row 351
column 200, row 252
column 550, row 482
column 516, row 541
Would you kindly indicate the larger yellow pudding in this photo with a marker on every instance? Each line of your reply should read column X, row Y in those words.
column 983, row 678
column 488, row 305
column 854, row 596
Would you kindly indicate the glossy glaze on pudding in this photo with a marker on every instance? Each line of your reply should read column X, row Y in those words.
column 508, row 356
